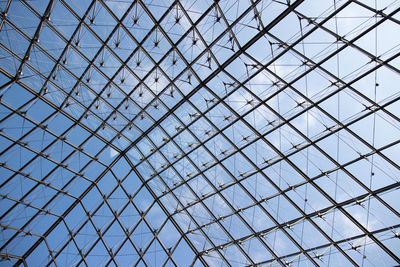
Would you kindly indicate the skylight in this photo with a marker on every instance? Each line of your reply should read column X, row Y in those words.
column 205, row 133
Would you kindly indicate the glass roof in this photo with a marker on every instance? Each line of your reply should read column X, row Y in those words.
column 205, row 133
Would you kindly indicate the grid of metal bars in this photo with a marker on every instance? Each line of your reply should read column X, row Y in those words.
column 177, row 133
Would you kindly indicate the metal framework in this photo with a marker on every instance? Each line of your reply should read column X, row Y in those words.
column 205, row 133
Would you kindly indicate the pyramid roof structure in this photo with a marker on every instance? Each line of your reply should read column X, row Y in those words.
column 199, row 133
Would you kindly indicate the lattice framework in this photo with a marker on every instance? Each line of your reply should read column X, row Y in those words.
column 207, row 133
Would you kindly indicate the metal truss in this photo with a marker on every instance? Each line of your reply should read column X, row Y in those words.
column 199, row 133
